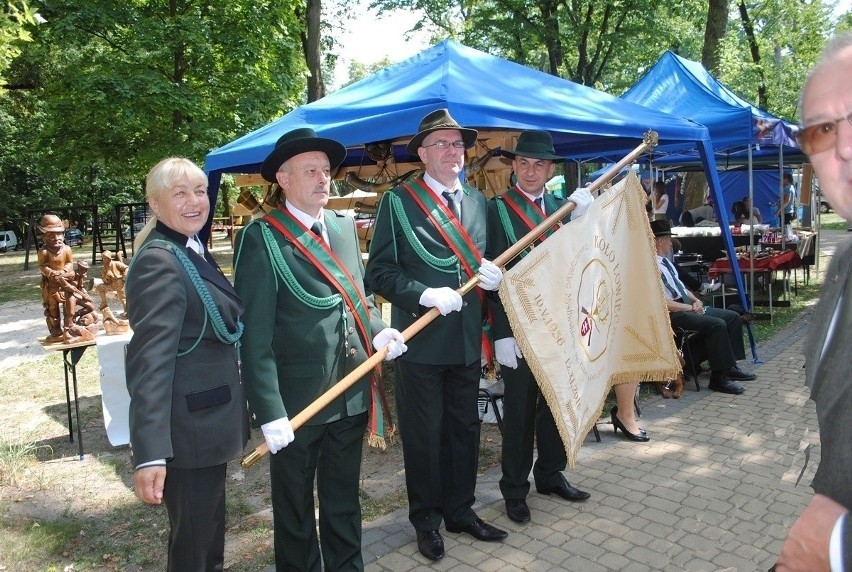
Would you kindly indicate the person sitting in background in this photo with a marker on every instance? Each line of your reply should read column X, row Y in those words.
column 694, row 216
column 722, row 329
column 738, row 212
column 753, row 210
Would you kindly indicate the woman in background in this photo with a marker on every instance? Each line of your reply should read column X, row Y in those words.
column 188, row 414
column 660, row 201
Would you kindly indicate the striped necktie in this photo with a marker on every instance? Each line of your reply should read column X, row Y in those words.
column 678, row 288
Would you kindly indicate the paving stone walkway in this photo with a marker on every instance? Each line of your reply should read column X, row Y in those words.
column 716, row 488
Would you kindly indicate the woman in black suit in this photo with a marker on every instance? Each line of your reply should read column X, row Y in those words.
column 188, row 413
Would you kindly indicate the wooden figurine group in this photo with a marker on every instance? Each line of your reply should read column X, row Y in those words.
column 69, row 310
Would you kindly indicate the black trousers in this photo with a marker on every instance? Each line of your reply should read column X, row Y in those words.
column 439, row 425
column 526, row 420
column 332, row 453
column 195, row 501
column 723, row 334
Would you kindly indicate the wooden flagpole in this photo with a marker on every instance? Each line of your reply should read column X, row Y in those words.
column 649, row 141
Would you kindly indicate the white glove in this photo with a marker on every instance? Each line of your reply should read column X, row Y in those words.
column 507, row 352
column 490, row 275
column 583, row 199
column 445, row 299
column 394, row 341
column 278, row 434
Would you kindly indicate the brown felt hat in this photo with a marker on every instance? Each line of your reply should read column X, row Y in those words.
column 300, row 141
column 436, row 121
column 535, row 144
column 661, row 228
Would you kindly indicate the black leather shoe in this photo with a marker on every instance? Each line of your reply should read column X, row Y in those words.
column 517, row 510
column 566, row 491
column 430, row 544
column 725, row 385
column 737, row 374
column 480, row 530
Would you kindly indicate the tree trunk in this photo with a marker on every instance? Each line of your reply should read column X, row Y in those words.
column 551, row 38
column 748, row 28
column 714, row 31
column 717, row 22
column 694, row 185
column 313, row 50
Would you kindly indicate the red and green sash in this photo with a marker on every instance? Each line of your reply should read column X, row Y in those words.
column 449, row 227
column 527, row 211
column 332, row 268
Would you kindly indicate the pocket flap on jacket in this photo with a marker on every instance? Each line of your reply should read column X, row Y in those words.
column 208, row 398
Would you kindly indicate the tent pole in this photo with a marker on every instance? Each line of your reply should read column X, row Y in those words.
column 751, row 225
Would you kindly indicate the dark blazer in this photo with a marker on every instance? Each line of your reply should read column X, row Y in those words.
column 498, row 243
column 292, row 352
column 397, row 272
column 831, row 387
column 188, row 409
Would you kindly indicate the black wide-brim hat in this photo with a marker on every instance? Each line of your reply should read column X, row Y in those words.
column 436, row 121
column 300, row 141
column 535, row 144
column 661, row 228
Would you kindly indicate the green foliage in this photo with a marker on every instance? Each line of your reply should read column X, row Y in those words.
column 358, row 71
column 790, row 36
column 609, row 45
column 13, row 31
column 106, row 89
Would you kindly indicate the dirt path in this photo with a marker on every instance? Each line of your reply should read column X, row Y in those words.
column 20, row 324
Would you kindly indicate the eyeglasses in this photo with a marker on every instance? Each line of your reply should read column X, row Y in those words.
column 444, row 144
column 820, row 137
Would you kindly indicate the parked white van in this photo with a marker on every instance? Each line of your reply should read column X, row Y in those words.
column 8, row 240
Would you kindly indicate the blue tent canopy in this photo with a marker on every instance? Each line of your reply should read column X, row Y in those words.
column 684, row 88
column 481, row 91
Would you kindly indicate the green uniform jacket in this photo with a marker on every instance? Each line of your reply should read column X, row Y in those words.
column 293, row 353
column 499, row 242
column 397, row 272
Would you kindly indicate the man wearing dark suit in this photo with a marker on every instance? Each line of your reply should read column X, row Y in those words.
column 309, row 323
column 427, row 241
column 821, row 538
column 188, row 414
column 721, row 329
column 526, row 417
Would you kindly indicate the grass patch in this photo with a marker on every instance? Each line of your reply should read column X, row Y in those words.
column 127, row 537
column 16, row 455
column 373, row 508
column 20, row 288
column 832, row 221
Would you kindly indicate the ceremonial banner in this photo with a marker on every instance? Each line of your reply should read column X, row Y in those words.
column 587, row 310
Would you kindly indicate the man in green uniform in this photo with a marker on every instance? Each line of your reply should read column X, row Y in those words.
column 526, row 416
column 428, row 239
column 309, row 322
